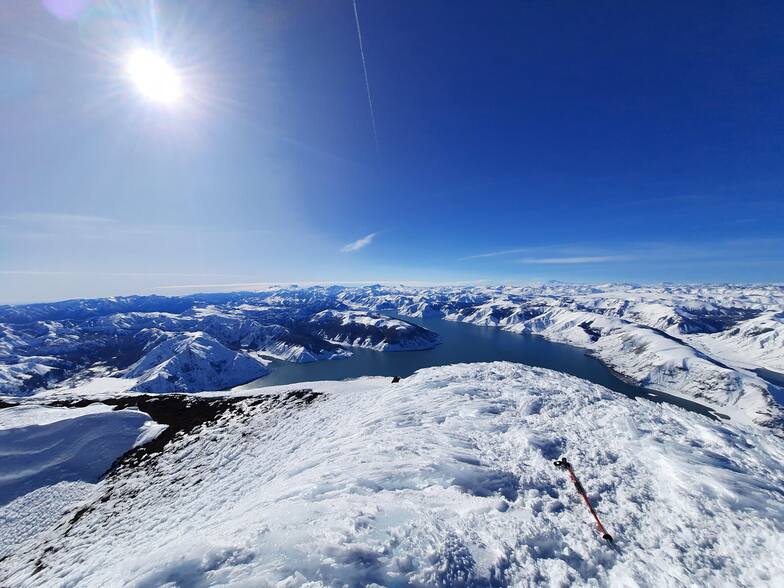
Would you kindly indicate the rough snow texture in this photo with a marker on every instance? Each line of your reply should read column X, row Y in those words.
column 443, row 479
column 30, row 515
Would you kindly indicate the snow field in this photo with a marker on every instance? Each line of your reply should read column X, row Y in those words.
column 443, row 479
column 50, row 459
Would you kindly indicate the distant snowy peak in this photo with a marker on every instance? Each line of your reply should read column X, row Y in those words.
column 22, row 376
column 373, row 331
column 718, row 344
column 757, row 342
column 422, row 310
column 684, row 340
column 190, row 362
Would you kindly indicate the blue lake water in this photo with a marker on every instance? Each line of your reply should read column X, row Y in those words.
column 466, row 343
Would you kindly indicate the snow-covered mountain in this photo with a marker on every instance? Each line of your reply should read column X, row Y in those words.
column 701, row 342
column 204, row 342
column 719, row 345
column 190, row 362
column 443, row 479
column 360, row 329
column 753, row 343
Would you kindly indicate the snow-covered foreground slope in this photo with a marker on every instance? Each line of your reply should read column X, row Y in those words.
column 445, row 478
column 42, row 445
column 51, row 457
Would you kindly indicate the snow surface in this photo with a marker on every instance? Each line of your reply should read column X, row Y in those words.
column 51, row 458
column 40, row 446
column 28, row 516
column 193, row 361
column 445, row 478
column 25, row 415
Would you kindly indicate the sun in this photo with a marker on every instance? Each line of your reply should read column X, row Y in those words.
column 154, row 77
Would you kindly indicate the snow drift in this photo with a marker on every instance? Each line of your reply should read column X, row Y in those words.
column 42, row 446
column 51, row 457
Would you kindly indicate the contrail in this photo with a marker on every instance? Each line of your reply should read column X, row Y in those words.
column 364, row 69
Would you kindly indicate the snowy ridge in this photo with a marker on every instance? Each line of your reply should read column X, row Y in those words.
column 757, row 342
column 656, row 360
column 192, row 362
column 443, row 479
column 373, row 331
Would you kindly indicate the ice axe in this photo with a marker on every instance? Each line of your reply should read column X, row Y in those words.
column 565, row 465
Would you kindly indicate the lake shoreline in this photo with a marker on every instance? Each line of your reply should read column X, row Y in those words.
column 469, row 343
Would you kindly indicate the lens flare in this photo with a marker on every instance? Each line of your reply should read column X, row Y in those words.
column 154, row 77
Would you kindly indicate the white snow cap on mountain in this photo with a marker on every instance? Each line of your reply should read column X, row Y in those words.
column 193, row 361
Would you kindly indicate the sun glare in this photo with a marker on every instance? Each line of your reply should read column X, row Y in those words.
column 154, row 77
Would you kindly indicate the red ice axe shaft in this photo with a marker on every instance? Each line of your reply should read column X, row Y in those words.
column 565, row 465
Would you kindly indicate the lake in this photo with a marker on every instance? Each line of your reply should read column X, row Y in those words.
column 466, row 343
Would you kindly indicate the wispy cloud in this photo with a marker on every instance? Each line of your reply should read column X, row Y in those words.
column 649, row 252
column 555, row 253
column 575, row 260
column 496, row 253
column 358, row 244
column 55, row 218
column 48, row 225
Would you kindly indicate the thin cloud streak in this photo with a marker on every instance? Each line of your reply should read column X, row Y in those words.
column 496, row 254
column 649, row 252
column 358, row 244
column 574, row 260
column 55, row 218
column 364, row 71
column 44, row 225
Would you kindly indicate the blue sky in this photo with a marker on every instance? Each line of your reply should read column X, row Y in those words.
column 517, row 141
